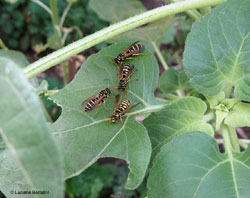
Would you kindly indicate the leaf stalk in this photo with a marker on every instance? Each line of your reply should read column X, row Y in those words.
column 112, row 31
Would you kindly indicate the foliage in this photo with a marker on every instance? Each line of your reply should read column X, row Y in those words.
column 177, row 135
column 99, row 181
column 23, row 20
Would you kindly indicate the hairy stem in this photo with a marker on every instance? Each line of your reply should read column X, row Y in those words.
column 112, row 31
column 2, row 45
column 43, row 6
column 159, row 55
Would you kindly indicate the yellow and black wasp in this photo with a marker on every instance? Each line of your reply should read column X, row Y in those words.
column 96, row 100
column 133, row 50
column 120, row 110
column 124, row 77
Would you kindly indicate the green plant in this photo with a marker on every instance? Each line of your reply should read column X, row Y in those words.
column 211, row 94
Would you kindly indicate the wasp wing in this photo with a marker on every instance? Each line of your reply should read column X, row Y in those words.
column 130, row 46
column 90, row 98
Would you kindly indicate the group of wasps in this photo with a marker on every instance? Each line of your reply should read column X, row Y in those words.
column 125, row 71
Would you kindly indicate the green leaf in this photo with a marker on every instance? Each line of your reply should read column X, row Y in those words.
column 30, row 159
column 150, row 34
column 118, row 10
column 180, row 116
column 84, row 138
column 239, row 115
column 192, row 166
column 217, row 50
column 172, row 80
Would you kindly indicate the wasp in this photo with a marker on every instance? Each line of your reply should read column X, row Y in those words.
column 133, row 50
column 124, row 77
column 96, row 100
column 120, row 110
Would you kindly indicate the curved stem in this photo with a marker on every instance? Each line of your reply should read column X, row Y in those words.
column 159, row 55
column 43, row 6
column 65, row 12
column 112, row 31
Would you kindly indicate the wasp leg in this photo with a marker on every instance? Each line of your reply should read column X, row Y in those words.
column 104, row 105
column 121, row 120
column 141, row 54
column 132, row 80
column 133, row 58
column 97, row 110
column 115, row 64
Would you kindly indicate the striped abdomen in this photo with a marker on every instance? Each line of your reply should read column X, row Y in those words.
column 124, row 105
column 90, row 105
column 136, row 48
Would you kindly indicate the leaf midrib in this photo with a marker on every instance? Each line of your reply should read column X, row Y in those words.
column 99, row 154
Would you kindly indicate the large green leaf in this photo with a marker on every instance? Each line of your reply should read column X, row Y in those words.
column 217, row 51
column 191, row 166
column 180, row 116
column 84, row 138
column 29, row 157
column 118, row 10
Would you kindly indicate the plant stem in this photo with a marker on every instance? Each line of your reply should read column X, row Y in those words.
column 159, row 55
column 65, row 72
column 227, row 90
column 180, row 93
column 2, row 45
column 43, row 6
column 205, row 10
column 226, row 138
column 112, row 31
column 54, row 16
column 234, row 138
column 194, row 14
column 65, row 12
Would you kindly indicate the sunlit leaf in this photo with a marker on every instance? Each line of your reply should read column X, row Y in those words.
column 192, row 166
column 84, row 138
column 217, row 51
